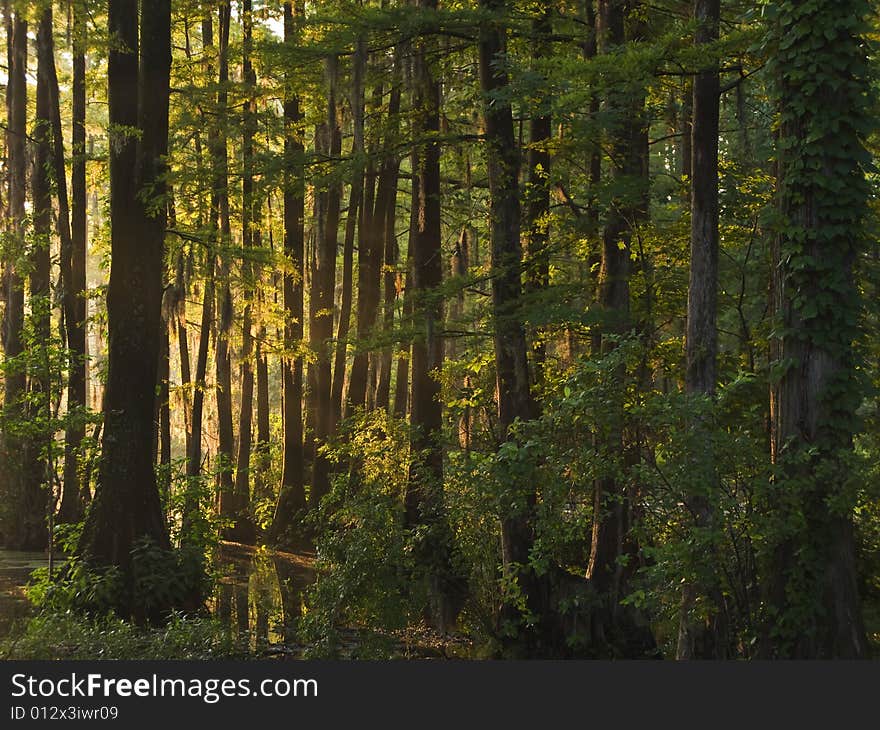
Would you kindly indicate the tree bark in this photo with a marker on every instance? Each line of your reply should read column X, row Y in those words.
column 822, row 194
column 537, row 188
column 511, row 360
column 706, row 641
column 424, row 492
column 292, row 497
column 126, row 507
column 391, row 166
column 243, row 529
column 355, row 205
column 75, row 492
column 323, row 284
column 225, row 307
column 15, row 386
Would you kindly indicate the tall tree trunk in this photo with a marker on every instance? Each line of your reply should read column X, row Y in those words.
column 194, row 455
column 323, row 284
column 369, row 261
column 391, row 167
column 424, row 491
column 12, row 473
column 537, row 186
column 628, row 140
column 355, row 200
column 511, row 362
column 126, row 507
column 706, row 641
column 75, row 492
column 225, row 307
column 292, row 497
column 33, row 510
column 812, row 585
column 243, row 529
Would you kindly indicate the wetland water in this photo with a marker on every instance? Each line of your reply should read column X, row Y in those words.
column 257, row 594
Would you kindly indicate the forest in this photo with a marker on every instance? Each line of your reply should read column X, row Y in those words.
column 498, row 328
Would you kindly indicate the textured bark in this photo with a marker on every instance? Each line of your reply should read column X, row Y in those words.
column 812, row 584
column 706, row 640
column 613, row 552
column 292, row 498
column 391, row 165
column 323, row 284
column 225, row 307
column 511, row 362
column 351, row 222
column 32, row 512
column 401, row 381
column 243, row 529
column 375, row 202
column 424, row 491
column 73, row 262
column 13, row 466
column 537, row 188
column 126, row 507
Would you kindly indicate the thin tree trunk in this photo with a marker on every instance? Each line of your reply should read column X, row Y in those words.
column 354, row 211
column 33, row 513
column 704, row 640
column 321, row 325
column 15, row 386
column 225, row 307
column 292, row 498
column 537, row 188
column 391, row 253
column 75, row 492
column 243, row 529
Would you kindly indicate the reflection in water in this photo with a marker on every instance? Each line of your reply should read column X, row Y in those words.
column 259, row 594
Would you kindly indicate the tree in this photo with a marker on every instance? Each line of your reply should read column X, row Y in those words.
column 511, row 364
column 822, row 198
column 706, row 642
column 126, row 506
column 292, row 498
column 22, row 526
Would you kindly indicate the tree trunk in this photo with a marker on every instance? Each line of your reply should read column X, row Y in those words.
column 225, row 307
column 321, row 325
column 12, row 473
column 369, row 262
column 424, row 492
column 812, row 584
column 292, row 498
column 628, row 133
column 243, row 529
column 33, row 511
column 537, row 188
column 126, row 507
column 511, row 363
column 706, row 641
column 391, row 168
column 75, row 492
column 354, row 211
